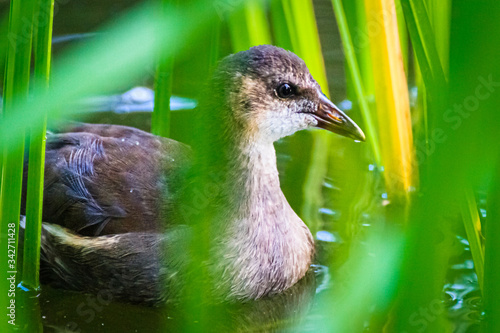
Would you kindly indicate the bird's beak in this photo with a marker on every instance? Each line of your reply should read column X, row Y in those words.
column 331, row 118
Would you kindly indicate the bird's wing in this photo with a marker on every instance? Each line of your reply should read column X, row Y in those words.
column 102, row 184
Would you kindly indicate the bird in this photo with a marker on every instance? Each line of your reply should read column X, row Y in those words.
column 118, row 201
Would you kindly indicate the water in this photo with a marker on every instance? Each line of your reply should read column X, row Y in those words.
column 65, row 311
column 56, row 310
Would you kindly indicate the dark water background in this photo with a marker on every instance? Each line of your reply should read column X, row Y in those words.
column 352, row 196
column 295, row 310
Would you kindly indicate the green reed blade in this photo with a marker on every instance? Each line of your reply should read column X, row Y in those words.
column 464, row 155
column 472, row 225
column 492, row 262
column 160, row 120
column 215, row 43
column 4, row 27
column 425, row 260
column 362, row 48
column 474, row 77
column 16, row 86
column 42, row 44
column 248, row 25
column 303, row 30
column 423, row 41
column 439, row 16
column 350, row 55
column 96, row 67
column 304, row 37
column 425, row 45
column 365, row 283
column 281, row 33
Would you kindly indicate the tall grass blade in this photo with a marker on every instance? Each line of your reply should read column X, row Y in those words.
column 160, row 120
column 439, row 16
column 301, row 23
column 366, row 282
column 16, row 85
column 281, row 33
column 472, row 225
column 96, row 68
column 42, row 44
column 303, row 32
column 4, row 42
column 248, row 25
column 362, row 48
column 429, row 61
column 492, row 263
column 423, row 42
column 357, row 81
column 198, row 286
column 215, row 43
column 464, row 155
column 473, row 132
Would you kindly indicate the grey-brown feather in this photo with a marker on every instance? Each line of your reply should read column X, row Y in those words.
column 105, row 179
column 143, row 268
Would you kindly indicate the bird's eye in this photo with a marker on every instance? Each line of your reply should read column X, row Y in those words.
column 285, row 90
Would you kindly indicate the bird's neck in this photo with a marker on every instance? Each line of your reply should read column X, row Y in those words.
column 251, row 186
column 254, row 174
column 266, row 246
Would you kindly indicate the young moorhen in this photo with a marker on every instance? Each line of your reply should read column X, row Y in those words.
column 110, row 191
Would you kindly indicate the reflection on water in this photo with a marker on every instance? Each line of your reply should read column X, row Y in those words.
column 63, row 311
column 461, row 288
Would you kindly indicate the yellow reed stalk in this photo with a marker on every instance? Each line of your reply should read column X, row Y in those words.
column 391, row 94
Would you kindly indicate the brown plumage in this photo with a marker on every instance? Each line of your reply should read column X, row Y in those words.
column 103, row 179
column 131, row 188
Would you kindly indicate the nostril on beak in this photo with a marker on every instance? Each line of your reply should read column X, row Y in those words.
column 331, row 118
column 337, row 119
column 328, row 113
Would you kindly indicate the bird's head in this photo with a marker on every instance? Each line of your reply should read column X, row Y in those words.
column 269, row 93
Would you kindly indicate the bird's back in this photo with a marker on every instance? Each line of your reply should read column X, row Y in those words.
column 107, row 179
